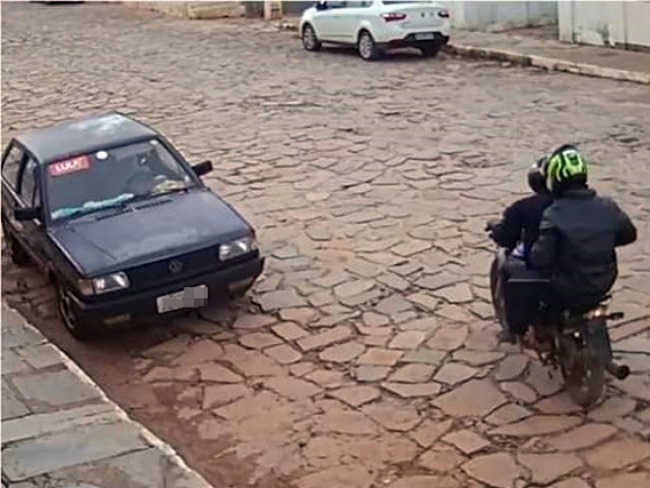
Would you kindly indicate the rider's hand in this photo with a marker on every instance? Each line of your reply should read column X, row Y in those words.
column 491, row 224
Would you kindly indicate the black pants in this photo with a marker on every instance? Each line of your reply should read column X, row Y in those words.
column 524, row 291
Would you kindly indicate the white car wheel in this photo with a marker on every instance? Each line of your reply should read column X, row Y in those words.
column 309, row 40
column 367, row 47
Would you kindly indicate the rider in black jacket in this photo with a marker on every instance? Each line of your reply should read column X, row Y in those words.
column 578, row 234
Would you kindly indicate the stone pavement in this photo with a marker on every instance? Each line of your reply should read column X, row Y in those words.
column 60, row 431
column 366, row 355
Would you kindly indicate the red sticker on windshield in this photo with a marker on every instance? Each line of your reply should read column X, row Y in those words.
column 68, row 166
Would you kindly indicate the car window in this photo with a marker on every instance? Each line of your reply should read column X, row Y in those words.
column 110, row 177
column 28, row 182
column 337, row 4
column 36, row 201
column 397, row 2
column 11, row 165
column 359, row 4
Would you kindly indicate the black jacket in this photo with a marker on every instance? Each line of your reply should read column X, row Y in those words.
column 521, row 222
column 578, row 236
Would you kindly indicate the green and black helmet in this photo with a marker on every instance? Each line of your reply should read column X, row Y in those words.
column 563, row 167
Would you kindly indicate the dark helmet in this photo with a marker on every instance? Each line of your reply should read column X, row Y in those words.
column 565, row 167
column 536, row 179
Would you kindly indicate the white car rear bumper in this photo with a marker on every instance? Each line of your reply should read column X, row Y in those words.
column 396, row 33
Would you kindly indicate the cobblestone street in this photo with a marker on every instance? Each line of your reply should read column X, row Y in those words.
column 367, row 355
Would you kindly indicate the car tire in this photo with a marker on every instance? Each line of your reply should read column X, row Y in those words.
column 309, row 40
column 367, row 47
column 241, row 292
column 69, row 316
column 17, row 252
column 430, row 51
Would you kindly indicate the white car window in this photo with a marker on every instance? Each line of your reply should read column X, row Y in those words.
column 397, row 2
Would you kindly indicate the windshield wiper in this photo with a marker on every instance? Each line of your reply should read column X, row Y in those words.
column 121, row 202
column 118, row 202
column 183, row 189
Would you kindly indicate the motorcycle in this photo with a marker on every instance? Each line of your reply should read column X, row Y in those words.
column 575, row 341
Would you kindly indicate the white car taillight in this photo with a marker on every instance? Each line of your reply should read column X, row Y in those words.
column 393, row 16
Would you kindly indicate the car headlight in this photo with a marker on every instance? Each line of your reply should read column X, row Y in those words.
column 104, row 284
column 236, row 248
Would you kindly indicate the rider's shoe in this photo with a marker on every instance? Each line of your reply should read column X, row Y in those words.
column 507, row 337
column 531, row 340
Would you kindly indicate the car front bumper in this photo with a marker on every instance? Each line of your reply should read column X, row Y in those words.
column 138, row 306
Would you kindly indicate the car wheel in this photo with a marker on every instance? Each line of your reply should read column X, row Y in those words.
column 16, row 251
column 69, row 316
column 430, row 51
column 367, row 47
column 240, row 292
column 309, row 40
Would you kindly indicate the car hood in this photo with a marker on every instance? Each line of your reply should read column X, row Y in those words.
column 149, row 231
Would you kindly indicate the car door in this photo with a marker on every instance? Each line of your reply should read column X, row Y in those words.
column 351, row 18
column 11, row 163
column 328, row 22
column 29, row 195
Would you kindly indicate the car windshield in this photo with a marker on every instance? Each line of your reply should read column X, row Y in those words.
column 112, row 177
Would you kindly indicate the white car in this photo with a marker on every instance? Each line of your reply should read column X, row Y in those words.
column 376, row 25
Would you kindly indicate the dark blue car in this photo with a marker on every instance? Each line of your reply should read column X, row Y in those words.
column 121, row 223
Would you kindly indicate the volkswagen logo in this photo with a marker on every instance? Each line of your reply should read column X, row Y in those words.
column 175, row 266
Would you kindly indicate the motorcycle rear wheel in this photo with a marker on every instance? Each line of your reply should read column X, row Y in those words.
column 584, row 376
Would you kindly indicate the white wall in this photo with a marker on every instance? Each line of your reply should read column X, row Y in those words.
column 605, row 23
column 637, row 23
column 497, row 15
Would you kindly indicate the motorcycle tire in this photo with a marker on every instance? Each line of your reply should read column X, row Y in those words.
column 496, row 292
column 584, row 377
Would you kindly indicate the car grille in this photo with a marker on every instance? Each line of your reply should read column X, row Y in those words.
column 173, row 269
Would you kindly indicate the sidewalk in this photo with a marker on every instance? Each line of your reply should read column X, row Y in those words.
column 525, row 47
column 59, row 430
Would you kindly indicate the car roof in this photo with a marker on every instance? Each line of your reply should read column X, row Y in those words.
column 83, row 135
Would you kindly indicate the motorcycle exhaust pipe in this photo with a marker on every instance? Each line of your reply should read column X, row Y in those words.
column 618, row 371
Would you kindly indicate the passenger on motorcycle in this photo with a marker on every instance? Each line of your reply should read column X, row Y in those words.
column 578, row 235
column 519, row 227
column 516, row 232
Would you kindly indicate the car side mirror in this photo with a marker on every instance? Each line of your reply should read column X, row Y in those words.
column 321, row 5
column 202, row 168
column 28, row 213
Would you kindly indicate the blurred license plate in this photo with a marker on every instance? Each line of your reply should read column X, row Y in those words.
column 192, row 297
column 427, row 36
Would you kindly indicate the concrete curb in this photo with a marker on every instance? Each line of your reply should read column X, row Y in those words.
column 549, row 64
column 149, row 436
